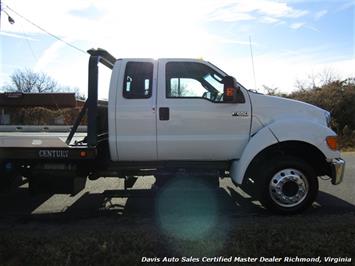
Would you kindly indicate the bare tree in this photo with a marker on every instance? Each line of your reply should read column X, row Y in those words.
column 300, row 84
column 78, row 94
column 29, row 81
column 310, row 82
column 271, row 91
column 317, row 80
column 327, row 76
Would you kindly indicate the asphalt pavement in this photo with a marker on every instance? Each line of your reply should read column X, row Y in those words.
column 105, row 197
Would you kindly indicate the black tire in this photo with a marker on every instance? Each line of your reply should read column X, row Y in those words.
column 281, row 182
column 9, row 179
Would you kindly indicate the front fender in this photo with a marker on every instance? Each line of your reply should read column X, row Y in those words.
column 261, row 140
column 306, row 131
column 280, row 131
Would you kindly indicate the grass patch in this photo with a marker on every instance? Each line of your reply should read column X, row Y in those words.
column 126, row 243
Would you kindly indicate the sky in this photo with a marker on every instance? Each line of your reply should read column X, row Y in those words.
column 290, row 39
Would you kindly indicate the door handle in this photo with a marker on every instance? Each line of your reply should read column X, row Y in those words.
column 164, row 113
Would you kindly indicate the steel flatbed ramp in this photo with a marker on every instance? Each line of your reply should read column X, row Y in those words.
column 42, row 145
column 36, row 140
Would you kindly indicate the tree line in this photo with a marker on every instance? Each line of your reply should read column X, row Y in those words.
column 28, row 81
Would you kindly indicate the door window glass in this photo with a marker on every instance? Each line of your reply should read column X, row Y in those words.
column 138, row 80
column 193, row 80
column 186, row 87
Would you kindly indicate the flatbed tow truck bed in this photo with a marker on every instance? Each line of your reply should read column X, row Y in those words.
column 43, row 145
column 36, row 139
column 59, row 159
column 62, row 146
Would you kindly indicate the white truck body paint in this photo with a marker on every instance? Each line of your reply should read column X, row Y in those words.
column 305, row 131
column 294, row 120
column 112, row 104
column 199, row 129
column 272, row 108
column 134, row 120
column 202, row 130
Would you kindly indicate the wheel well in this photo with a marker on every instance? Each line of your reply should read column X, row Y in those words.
column 303, row 150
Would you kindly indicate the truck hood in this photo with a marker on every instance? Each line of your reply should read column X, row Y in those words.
column 267, row 109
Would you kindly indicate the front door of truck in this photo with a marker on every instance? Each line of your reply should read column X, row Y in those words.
column 193, row 122
column 135, row 115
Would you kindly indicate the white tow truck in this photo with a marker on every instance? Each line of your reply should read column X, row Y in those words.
column 171, row 115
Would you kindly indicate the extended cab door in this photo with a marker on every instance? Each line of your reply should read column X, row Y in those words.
column 193, row 122
column 132, row 125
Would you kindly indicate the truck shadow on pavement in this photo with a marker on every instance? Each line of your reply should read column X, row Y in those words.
column 19, row 202
column 326, row 203
column 159, row 205
column 184, row 198
column 190, row 200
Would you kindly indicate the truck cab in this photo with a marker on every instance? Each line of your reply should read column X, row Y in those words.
column 168, row 115
column 175, row 109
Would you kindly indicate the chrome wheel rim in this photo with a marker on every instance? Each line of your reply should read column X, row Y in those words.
column 288, row 188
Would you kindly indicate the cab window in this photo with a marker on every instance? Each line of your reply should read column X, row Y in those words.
column 193, row 80
column 138, row 80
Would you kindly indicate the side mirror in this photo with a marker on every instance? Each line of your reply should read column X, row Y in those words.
column 231, row 91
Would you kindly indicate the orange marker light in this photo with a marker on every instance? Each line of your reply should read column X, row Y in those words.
column 332, row 142
column 83, row 154
column 230, row 92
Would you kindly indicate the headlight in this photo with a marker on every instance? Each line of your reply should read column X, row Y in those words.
column 327, row 118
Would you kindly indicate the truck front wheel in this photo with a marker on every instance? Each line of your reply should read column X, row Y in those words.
column 288, row 185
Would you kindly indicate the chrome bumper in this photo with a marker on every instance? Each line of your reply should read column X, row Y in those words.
column 338, row 166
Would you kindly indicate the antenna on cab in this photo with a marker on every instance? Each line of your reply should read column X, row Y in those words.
column 252, row 62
